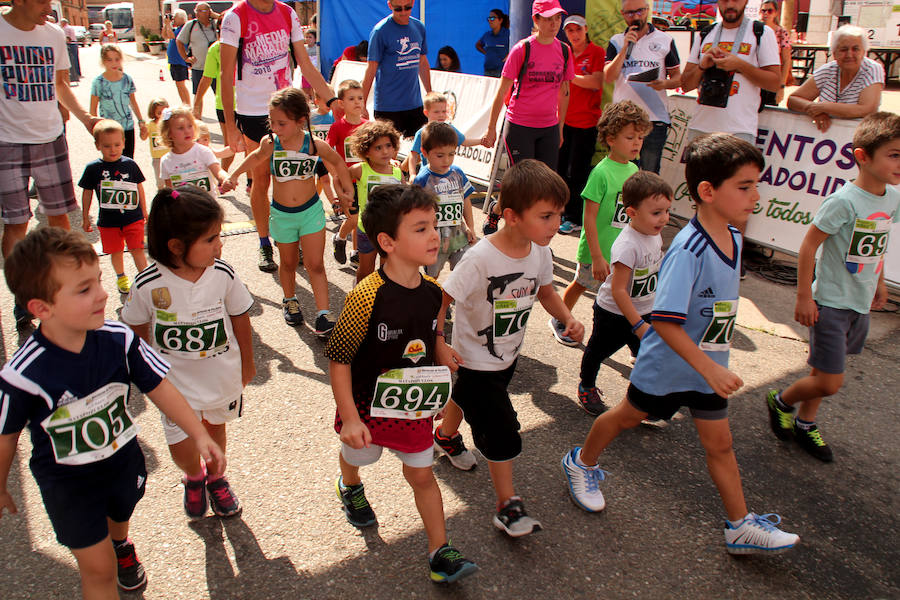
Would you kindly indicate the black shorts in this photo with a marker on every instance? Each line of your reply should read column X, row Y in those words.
column 710, row 407
column 220, row 115
column 407, row 122
column 321, row 169
column 178, row 72
column 254, row 128
column 78, row 507
column 484, row 400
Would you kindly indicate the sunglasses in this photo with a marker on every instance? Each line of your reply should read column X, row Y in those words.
column 765, row 11
column 492, row 18
column 402, row 8
column 634, row 13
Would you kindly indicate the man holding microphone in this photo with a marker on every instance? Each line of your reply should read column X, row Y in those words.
column 643, row 62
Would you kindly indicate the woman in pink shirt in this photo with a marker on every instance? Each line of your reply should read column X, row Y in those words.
column 539, row 94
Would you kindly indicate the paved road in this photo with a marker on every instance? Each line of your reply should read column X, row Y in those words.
column 659, row 537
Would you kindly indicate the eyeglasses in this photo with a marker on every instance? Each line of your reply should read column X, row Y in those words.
column 402, row 8
column 634, row 13
column 765, row 11
column 492, row 18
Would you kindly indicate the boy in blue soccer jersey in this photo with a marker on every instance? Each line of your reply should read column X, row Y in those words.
column 683, row 359
column 852, row 227
column 69, row 383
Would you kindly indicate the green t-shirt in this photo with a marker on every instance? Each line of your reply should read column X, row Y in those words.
column 212, row 68
column 604, row 186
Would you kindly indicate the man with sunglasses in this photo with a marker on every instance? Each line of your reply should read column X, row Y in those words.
column 642, row 48
column 397, row 60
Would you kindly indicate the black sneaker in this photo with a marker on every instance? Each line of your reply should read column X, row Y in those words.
column 449, row 565
column 224, row 502
column 290, row 308
column 22, row 316
column 512, row 519
column 340, row 249
column 356, row 508
column 195, row 503
column 493, row 220
column 781, row 421
column 324, row 325
column 354, row 258
column 591, row 400
column 266, row 262
column 129, row 570
column 811, row 441
column 455, row 449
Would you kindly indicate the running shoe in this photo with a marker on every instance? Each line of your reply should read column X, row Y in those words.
column 266, row 262
column 512, row 519
column 591, row 400
column 354, row 258
column 195, row 503
column 124, row 284
column 290, row 308
column 129, row 570
column 356, row 508
column 449, row 565
column 811, row 441
column 584, row 482
column 558, row 328
column 455, row 449
column 781, row 421
column 221, row 497
column 567, row 227
column 340, row 248
column 493, row 220
column 757, row 533
column 324, row 325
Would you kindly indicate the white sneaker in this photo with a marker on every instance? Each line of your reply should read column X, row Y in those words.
column 558, row 328
column 757, row 533
column 584, row 482
column 513, row 520
column 456, row 451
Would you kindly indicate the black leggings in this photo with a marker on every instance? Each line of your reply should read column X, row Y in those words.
column 575, row 166
column 541, row 143
column 129, row 143
column 610, row 332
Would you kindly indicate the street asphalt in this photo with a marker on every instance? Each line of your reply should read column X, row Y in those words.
column 659, row 537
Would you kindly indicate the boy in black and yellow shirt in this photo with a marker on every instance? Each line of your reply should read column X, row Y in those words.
column 383, row 374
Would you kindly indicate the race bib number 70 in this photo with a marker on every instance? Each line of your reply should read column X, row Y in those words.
column 718, row 334
column 511, row 315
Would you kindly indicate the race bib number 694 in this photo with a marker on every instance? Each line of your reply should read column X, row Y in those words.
column 411, row 393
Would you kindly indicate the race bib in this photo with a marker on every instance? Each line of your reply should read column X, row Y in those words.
column 198, row 178
column 118, row 195
column 717, row 337
column 292, row 165
column 91, row 428
column 156, row 143
column 375, row 180
column 450, row 210
column 411, row 393
column 349, row 155
column 511, row 315
column 620, row 217
column 320, row 132
column 643, row 281
column 202, row 336
column 869, row 241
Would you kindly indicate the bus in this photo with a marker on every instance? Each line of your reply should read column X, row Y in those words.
column 121, row 15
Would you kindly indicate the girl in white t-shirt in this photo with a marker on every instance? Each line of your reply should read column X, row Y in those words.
column 187, row 161
column 193, row 309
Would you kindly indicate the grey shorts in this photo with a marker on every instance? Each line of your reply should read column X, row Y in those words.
column 370, row 455
column 48, row 165
column 453, row 258
column 585, row 277
column 837, row 333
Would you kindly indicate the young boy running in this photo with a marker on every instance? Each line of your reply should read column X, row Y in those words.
column 684, row 356
column 621, row 128
column 68, row 383
column 852, row 226
column 385, row 380
column 495, row 286
column 622, row 309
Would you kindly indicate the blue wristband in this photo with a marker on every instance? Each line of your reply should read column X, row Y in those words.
column 637, row 325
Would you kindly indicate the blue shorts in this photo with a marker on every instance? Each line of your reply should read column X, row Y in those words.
column 178, row 72
column 837, row 333
column 287, row 224
column 363, row 243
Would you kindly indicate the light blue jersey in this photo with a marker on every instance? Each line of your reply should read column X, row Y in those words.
column 698, row 289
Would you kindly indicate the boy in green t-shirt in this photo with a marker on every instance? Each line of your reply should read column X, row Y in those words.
column 622, row 129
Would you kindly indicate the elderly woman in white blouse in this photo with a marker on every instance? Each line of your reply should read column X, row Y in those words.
column 848, row 87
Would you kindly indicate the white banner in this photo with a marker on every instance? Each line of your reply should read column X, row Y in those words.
column 470, row 97
column 803, row 167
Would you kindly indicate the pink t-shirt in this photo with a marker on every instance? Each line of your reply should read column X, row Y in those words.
column 538, row 101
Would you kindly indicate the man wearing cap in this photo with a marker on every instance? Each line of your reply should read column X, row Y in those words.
column 396, row 62
column 650, row 55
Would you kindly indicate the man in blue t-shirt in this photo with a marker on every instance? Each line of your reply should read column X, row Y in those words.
column 397, row 54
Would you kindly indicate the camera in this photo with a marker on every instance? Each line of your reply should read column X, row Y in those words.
column 715, row 87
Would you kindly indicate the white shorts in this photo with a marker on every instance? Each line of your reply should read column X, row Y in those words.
column 213, row 416
column 368, row 456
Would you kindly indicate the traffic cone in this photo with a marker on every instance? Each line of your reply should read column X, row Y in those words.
column 162, row 77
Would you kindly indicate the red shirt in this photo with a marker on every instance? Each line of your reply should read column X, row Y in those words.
column 338, row 135
column 584, row 104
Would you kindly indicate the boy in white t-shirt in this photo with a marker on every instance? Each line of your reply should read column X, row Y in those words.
column 622, row 309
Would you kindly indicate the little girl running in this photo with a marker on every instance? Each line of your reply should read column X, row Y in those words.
column 296, row 219
column 377, row 142
column 157, row 148
column 193, row 309
column 112, row 91
column 187, row 162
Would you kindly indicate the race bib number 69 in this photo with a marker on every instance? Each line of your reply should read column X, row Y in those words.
column 869, row 241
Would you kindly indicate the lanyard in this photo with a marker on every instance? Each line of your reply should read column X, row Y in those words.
column 738, row 39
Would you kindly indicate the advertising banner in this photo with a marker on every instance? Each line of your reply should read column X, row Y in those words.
column 803, row 167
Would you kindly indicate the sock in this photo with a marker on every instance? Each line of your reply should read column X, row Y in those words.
column 581, row 463
column 291, row 298
column 322, row 312
column 737, row 523
column 199, row 477
column 781, row 405
column 435, row 551
column 264, row 242
column 119, row 543
column 804, row 425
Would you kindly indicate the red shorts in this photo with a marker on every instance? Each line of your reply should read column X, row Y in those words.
column 115, row 238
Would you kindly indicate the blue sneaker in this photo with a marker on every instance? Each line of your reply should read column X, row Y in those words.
column 584, row 482
column 567, row 227
column 757, row 533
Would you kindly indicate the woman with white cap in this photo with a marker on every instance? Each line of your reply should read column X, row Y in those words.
column 538, row 71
